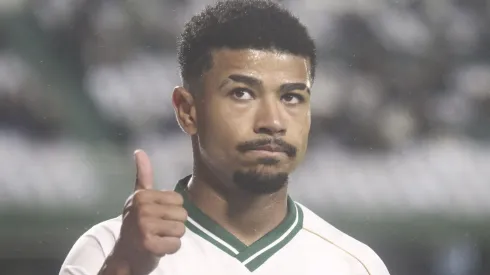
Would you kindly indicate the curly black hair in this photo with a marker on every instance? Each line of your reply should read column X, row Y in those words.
column 241, row 24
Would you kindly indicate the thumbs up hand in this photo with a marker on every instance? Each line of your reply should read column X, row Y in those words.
column 153, row 223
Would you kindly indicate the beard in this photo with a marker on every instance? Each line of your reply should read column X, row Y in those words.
column 260, row 183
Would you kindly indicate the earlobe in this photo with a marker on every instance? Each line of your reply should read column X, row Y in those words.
column 185, row 110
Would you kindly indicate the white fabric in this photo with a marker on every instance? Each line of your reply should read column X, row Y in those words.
column 318, row 248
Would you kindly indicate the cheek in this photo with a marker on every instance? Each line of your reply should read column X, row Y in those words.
column 221, row 128
column 306, row 122
column 300, row 125
column 300, row 133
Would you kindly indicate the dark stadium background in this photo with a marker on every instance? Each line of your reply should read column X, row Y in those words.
column 399, row 154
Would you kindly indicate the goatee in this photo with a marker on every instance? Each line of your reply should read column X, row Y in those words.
column 260, row 183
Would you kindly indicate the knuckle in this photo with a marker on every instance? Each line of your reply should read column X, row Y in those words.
column 164, row 212
column 137, row 195
column 175, row 229
column 179, row 199
column 176, row 213
column 144, row 211
column 174, row 198
column 184, row 214
column 180, row 230
column 140, row 196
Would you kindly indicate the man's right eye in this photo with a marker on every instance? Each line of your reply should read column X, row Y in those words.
column 242, row 94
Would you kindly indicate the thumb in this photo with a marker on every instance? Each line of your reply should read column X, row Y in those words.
column 144, row 172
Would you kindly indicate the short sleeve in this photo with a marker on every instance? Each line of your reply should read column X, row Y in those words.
column 89, row 252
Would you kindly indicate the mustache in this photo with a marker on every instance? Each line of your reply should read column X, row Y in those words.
column 279, row 145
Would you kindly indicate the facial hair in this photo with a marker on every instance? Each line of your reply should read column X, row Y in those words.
column 258, row 183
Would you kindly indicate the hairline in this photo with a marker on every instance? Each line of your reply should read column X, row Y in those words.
column 188, row 83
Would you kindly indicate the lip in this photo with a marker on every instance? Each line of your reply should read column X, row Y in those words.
column 269, row 148
column 267, row 153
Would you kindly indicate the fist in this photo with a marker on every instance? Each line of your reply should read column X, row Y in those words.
column 153, row 222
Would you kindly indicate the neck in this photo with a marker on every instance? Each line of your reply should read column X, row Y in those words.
column 247, row 216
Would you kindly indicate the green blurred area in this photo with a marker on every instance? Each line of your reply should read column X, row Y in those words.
column 36, row 232
column 27, row 233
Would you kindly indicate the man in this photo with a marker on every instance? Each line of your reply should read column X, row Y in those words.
column 247, row 69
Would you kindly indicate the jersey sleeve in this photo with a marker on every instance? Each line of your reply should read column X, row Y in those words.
column 89, row 252
column 375, row 264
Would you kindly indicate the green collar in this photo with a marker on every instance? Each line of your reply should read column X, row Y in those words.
column 252, row 256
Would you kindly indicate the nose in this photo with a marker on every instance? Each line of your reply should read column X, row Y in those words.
column 269, row 119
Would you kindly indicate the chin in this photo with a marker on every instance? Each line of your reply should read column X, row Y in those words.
column 261, row 181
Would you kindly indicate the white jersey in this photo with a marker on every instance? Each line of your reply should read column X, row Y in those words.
column 302, row 244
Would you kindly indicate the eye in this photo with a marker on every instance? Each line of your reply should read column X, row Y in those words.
column 292, row 98
column 242, row 94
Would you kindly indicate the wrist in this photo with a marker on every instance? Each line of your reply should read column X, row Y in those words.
column 115, row 265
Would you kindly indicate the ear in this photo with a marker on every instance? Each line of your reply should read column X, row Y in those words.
column 185, row 110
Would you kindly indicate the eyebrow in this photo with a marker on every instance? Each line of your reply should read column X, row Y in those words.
column 254, row 82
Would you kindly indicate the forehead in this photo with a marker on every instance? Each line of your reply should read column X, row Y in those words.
column 268, row 66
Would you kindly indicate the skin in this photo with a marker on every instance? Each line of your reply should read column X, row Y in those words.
column 247, row 95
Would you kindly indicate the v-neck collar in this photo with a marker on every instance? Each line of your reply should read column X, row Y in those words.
column 254, row 255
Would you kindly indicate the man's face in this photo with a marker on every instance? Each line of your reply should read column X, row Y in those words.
column 253, row 117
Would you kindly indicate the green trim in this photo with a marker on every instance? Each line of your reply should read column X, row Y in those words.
column 202, row 219
column 273, row 235
column 262, row 258
column 252, row 256
column 205, row 236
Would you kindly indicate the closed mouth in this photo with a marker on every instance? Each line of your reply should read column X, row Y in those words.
column 269, row 148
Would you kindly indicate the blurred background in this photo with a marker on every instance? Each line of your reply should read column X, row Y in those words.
column 399, row 155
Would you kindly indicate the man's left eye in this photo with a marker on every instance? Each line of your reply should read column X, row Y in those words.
column 292, row 98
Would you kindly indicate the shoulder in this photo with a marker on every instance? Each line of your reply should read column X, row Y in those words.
column 104, row 233
column 101, row 236
column 315, row 225
column 92, row 248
